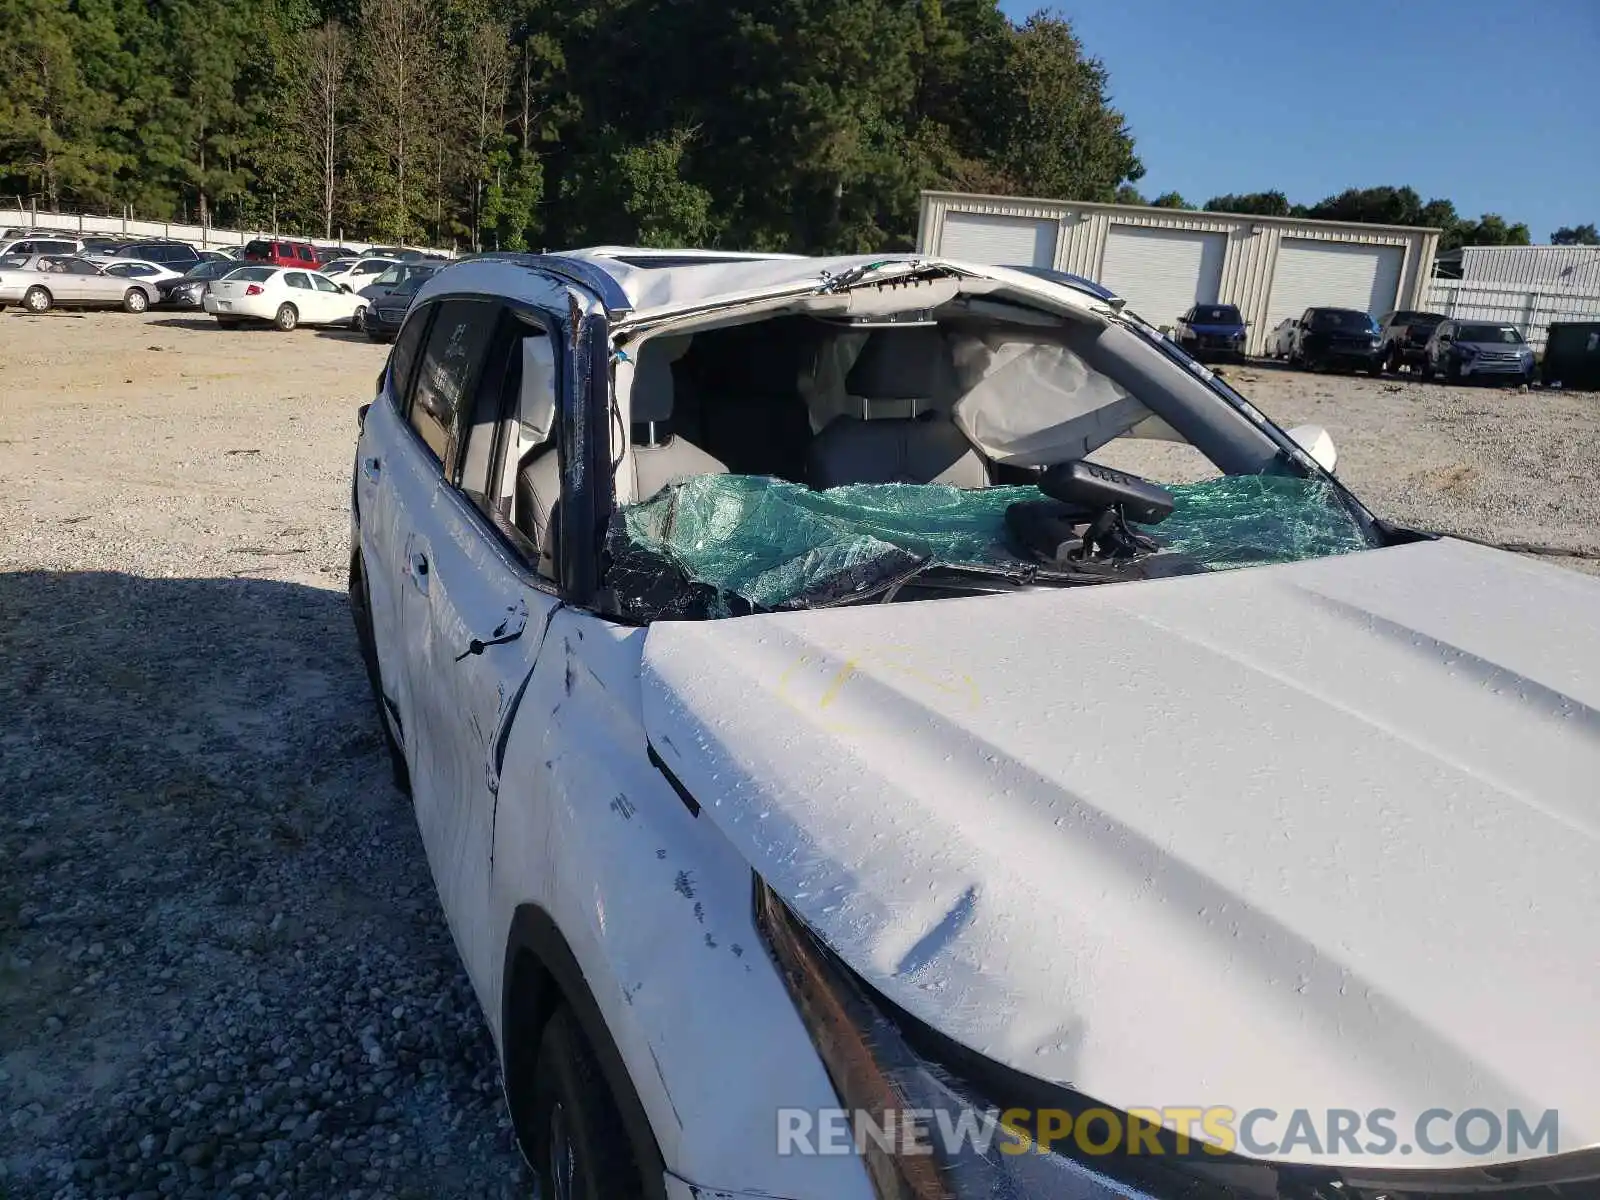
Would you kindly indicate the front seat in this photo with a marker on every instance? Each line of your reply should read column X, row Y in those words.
column 658, row 455
column 900, row 370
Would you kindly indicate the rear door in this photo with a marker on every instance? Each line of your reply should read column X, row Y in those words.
column 312, row 307
column 392, row 480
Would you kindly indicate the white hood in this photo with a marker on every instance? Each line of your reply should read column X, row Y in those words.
column 1312, row 836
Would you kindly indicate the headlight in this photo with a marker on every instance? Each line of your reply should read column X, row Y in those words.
column 936, row 1121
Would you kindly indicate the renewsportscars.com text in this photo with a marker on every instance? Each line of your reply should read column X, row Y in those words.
column 1258, row 1132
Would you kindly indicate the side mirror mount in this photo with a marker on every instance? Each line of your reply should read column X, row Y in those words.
column 1316, row 441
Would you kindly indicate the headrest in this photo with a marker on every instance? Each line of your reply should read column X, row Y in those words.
column 536, row 405
column 913, row 363
column 651, row 398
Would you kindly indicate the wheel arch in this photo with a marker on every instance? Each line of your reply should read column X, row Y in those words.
column 540, row 973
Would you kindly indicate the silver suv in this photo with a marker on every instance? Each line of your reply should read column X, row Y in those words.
column 1464, row 350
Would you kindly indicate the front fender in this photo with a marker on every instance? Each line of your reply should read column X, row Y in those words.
column 654, row 908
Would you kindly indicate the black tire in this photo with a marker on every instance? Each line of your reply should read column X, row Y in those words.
column 579, row 1151
column 135, row 301
column 37, row 300
column 358, row 319
column 361, row 611
column 287, row 318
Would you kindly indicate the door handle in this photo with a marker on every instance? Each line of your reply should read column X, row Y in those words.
column 371, row 468
column 417, row 568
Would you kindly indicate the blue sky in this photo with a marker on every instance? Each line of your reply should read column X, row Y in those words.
column 1312, row 97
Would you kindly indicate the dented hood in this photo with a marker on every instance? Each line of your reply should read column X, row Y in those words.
column 1310, row 836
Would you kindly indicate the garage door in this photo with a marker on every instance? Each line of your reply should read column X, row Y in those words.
column 1162, row 272
column 999, row 241
column 1333, row 275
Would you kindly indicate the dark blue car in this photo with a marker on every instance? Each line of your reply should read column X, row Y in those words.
column 1211, row 331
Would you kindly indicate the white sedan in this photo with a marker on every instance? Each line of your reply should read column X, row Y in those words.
column 136, row 268
column 286, row 296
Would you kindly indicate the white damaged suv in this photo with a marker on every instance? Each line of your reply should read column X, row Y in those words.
column 889, row 727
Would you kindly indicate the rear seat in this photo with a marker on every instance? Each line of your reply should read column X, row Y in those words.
column 656, row 456
column 899, row 370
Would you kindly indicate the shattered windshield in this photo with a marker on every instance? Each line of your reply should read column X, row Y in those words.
column 802, row 463
column 722, row 545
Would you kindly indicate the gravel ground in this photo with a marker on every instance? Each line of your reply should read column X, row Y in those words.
column 223, row 970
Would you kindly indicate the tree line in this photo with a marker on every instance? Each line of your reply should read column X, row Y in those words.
column 768, row 124
column 800, row 125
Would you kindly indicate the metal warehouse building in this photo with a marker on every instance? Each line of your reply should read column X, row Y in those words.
column 1163, row 260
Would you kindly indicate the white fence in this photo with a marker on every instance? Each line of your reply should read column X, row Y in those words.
column 1530, row 309
column 197, row 235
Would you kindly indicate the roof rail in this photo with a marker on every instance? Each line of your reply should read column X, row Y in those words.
column 573, row 270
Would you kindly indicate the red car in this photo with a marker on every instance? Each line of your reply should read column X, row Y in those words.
column 282, row 254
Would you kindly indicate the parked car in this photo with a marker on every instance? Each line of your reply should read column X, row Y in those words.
column 282, row 296
column 361, row 271
column 35, row 245
column 1405, row 338
column 216, row 256
column 1212, row 331
column 725, row 831
column 1331, row 339
column 388, row 281
column 338, row 267
column 1465, row 350
column 187, row 291
column 1280, row 342
column 328, row 254
column 133, row 268
column 45, row 281
column 282, row 253
column 385, row 314
column 178, row 255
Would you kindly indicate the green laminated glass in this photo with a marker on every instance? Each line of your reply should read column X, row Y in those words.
column 772, row 542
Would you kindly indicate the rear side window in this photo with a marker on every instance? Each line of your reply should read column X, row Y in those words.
column 448, row 370
column 258, row 249
column 252, row 274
